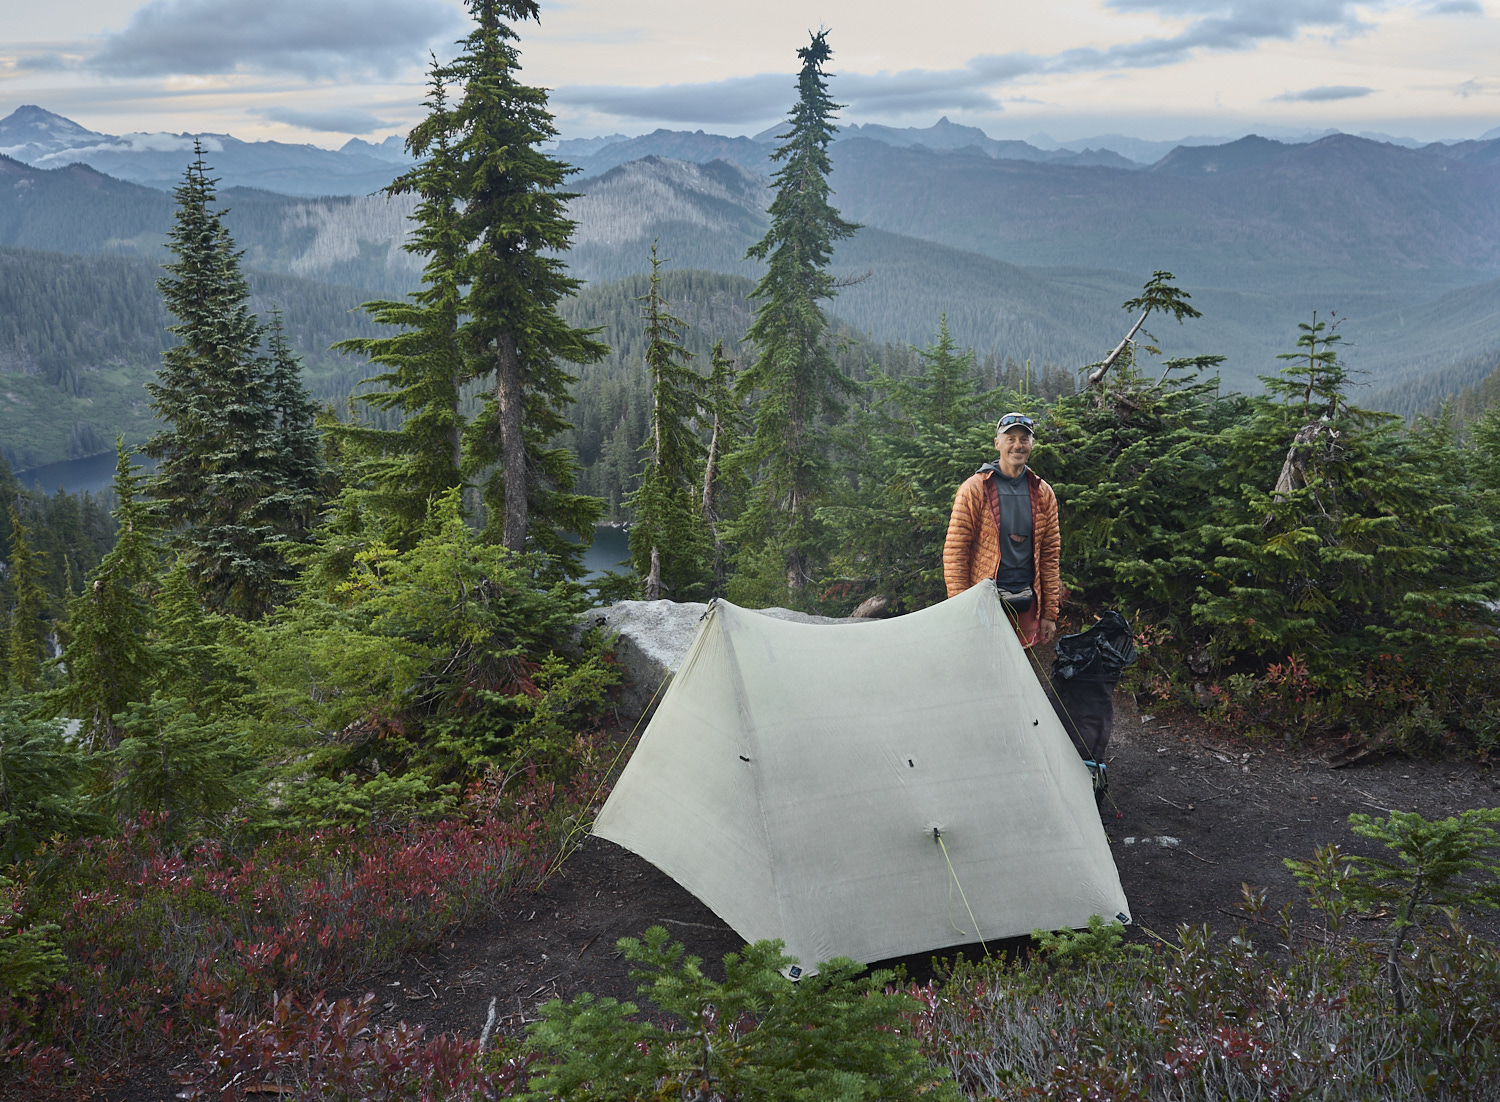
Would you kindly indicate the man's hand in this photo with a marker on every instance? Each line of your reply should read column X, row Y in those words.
column 1046, row 631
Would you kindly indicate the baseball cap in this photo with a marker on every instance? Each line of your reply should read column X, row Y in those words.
column 1015, row 421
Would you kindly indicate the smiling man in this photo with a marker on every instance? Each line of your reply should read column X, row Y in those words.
column 1004, row 526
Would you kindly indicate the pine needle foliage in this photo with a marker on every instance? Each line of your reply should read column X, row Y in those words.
column 795, row 374
column 903, row 454
column 109, row 656
column 41, row 781
column 408, row 467
column 426, row 660
column 173, row 764
column 1366, row 546
column 235, row 477
column 514, row 229
column 28, row 628
column 1436, row 865
column 668, row 541
column 755, row 1035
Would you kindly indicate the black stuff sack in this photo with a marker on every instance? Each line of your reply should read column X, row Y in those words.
column 1084, row 675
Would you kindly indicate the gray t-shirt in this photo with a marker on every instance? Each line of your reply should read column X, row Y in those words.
column 1015, row 572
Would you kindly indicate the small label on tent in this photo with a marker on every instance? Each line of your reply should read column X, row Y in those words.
column 795, row 971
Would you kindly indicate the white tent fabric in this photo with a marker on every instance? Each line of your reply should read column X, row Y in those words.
column 794, row 774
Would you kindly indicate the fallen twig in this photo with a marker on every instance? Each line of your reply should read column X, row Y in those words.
column 489, row 1026
column 699, row 925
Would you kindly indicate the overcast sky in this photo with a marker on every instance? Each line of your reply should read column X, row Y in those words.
column 322, row 71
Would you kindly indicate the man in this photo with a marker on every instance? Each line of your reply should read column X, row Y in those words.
column 1004, row 526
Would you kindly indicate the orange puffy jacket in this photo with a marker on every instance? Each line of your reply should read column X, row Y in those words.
column 971, row 552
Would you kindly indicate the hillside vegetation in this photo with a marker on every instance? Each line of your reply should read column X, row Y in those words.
column 81, row 335
column 328, row 685
column 1027, row 257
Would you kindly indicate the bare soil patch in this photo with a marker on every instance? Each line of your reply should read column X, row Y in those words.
column 1191, row 816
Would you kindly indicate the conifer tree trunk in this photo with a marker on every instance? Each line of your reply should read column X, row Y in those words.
column 510, row 401
column 652, row 586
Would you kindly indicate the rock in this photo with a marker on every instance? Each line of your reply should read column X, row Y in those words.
column 871, row 607
column 653, row 638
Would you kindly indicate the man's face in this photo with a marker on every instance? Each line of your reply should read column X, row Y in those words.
column 1014, row 447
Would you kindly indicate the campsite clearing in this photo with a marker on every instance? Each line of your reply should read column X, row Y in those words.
column 1205, row 814
column 1235, row 809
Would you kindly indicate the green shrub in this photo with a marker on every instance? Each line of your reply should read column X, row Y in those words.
column 753, row 1035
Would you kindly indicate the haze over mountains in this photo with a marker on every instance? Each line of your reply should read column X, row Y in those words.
column 1028, row 250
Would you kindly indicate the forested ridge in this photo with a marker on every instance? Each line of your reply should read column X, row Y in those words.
column 80, row 335
column 323, row 686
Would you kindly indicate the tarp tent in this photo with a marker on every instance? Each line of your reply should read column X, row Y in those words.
column 794, row 774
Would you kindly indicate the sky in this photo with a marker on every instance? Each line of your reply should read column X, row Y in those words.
column 322, row 71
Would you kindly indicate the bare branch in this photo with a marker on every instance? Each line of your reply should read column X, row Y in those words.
column 851, row 280
column 1097, row 375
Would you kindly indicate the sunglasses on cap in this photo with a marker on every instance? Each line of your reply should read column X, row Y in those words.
column 1015, row 420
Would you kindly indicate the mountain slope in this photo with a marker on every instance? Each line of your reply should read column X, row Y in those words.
column 351, row 240
column 1338, row 214
column 80, row 336
column 45, row 140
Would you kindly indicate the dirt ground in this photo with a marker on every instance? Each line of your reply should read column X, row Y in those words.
column 1190, row 817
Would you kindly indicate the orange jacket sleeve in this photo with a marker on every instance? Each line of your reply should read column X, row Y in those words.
column 965, row 525
column 1047, row 542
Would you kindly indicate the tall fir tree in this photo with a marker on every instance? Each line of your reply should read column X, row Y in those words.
column 28, row 628
column 411, row 466
column 795, row 373
column 225, row 487
column 669, row 540
column 514, row 228
column 109, row 654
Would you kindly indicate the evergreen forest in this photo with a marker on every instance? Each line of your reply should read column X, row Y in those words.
column 316, row 686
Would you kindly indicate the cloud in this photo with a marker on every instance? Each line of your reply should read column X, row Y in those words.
column 1456, row 7
column 1323, row 94
column 1205, row 26
column 1476, row 86
column 46, row 62
column 735, row 100
column 337, row 120
column 309, row 38
column 1211, row 25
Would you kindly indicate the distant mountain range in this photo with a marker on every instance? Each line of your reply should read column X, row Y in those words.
column 39, row 138
column 596, row 155
column 1028, row 251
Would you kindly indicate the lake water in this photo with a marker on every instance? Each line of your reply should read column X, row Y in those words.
column 91, row 474
column 609, row 551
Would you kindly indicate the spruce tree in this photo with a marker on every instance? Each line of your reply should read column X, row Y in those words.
column 28, row 629
column 923, row 435
column 794, row 370
column 412, row 466
column 109, row 656
column 513, row 226
column 233, row 480
column 1364, row 547
column 668, row 540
